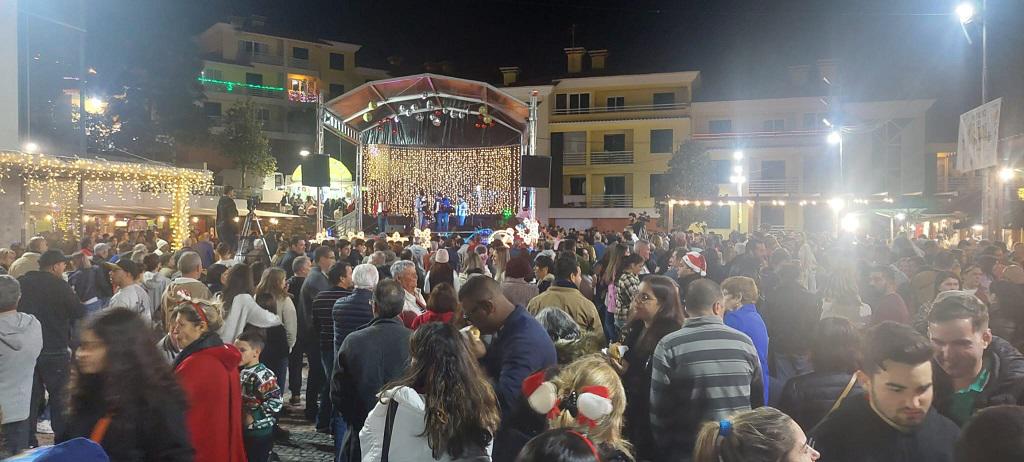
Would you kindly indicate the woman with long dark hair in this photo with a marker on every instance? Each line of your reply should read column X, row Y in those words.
column 440, row 272
column 207, row 369
column 272, row 295
column 240, row 308
column 123, row 394
column 657, row 313
column 605, row 277
column 445, row 408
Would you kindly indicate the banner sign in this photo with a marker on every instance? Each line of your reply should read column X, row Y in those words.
column 978, row 140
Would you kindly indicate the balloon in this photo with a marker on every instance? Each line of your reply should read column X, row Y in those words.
column 487, row 120
column 372, row 105
column 437, row 122
column 482, row 110
column 367, row 117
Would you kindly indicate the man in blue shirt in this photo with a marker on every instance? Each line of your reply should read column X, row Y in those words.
column 519, row 347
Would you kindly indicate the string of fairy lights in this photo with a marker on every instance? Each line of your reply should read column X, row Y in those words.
column 488, row 178
column 59, row 182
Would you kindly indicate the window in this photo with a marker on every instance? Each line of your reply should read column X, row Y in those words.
column 251, row 47
column 253, row 79
column 814, row 121
column 214, row 74
column 614, row 185
column 615, row 103
column 658, row 184
column 664, row 99
column 211, row 109
column 773, row 216
column 661, row 141
column 615, row 143
column 775, row 125
column 721, row 170
column 773, row 169
column 721, row 218
column 336, row 90
column 720, row 126
column 337, row 61
column 263, row 114
column 577, row 186
column 572, row 103
column 300, row 53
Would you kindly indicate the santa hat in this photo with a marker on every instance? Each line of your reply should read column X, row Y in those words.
column 696, row 262
column 588, row 405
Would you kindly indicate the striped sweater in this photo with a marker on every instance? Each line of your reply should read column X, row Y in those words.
column 705, row 371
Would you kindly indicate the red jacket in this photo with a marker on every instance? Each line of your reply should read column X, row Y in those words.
column 209, row 375
column 430, row 316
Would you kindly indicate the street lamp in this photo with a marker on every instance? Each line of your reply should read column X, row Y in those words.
column 1006, row 174
column 30, row 147
column 737, row 154
column 834, row 137
column 965, row 12
column 304, row 152
column 900, row 216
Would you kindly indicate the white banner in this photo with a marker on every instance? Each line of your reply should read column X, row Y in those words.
column 978, row 141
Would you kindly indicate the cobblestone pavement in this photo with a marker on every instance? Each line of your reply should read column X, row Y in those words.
column 305, row 444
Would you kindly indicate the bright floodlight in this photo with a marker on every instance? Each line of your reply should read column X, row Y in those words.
column 737, row 169
column 30, row 147
column 965, row 12
column 737, row 154
column 978, row 228
column 837, row 204
column 850, row 223
column 900, row 216
column 304, row 152
column 1006, row 174
column 834, row 138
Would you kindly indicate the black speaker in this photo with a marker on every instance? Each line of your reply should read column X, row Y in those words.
column 316, row 171
column 536, row 172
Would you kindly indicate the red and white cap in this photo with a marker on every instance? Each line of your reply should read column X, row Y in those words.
column 696, row 262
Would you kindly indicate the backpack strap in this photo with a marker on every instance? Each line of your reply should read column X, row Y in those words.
column 389, row 426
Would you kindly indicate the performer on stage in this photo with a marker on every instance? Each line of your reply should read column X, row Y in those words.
column 420, row 207
column 442, row 209
column 382, row 217
column 462, row 211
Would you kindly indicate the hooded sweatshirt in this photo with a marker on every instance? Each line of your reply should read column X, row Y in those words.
column 28, row 261
column 195, row 289
column 21, row 340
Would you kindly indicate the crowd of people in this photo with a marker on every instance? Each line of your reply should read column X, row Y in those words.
column 583, row 346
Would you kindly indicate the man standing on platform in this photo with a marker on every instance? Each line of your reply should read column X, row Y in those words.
column 462, row 211
column 227, row 213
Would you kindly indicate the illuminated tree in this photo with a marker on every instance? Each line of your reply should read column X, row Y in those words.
column 689, row 175
column 244, row 142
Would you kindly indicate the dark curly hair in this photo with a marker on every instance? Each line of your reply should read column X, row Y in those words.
column 136, row 377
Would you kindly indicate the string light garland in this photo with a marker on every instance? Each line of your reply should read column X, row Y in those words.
column 231, row 85
column 59, row 182
column 488, row 178
column 721, row 202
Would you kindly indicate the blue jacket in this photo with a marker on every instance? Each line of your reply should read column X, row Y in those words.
column 746, row 319
column 520, row 348
column 350, row 313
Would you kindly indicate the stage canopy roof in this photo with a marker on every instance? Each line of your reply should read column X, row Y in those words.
column 380, row 104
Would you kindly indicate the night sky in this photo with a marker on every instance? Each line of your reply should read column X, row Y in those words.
column 887, row 48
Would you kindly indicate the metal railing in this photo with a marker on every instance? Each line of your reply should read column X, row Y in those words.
column 349, row 223
column 611, row 157
column 266, row 58
column 241, row 90
column 610, row 201
column 633, row 108
column 958, row 183
column 574, row 158
column 302, row 96
column 300, row 63
column 774, row 186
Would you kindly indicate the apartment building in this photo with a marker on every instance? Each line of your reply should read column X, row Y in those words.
column 609, row 137
column 282, row 75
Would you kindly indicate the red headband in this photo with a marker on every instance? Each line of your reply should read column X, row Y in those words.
column 590, row 444
column 200, row 312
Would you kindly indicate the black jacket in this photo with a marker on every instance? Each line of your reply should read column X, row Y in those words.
column 54, row 304
column 854, row 433
column 368, row 359
column 809, row 397
column 226, row 213
column 286, row 262
column 147, row 433
column 791, row 314
column 350, row 313
column 1005, row 381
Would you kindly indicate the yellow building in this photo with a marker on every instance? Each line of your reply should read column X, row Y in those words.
column 282, row 75
column 609, row 136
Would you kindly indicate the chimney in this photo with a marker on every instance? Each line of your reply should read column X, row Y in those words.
column 509, row 75
column 829, row 69
column 597, row 59
column 799, row 75
column 575, row 58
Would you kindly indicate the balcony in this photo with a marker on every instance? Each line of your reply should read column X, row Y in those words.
column 611, row 157
column 300, row 63
column 616, row 201
column 265, row 58
column 302, row 96
column 574, row 158
column 610, row 109
column 775, row 186
column 244, row 90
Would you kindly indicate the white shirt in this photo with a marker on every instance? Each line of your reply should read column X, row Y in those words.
column 244, row 310
column 134, row 298
column 411, row 301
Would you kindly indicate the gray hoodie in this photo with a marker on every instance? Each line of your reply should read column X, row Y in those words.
column 21, row 340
